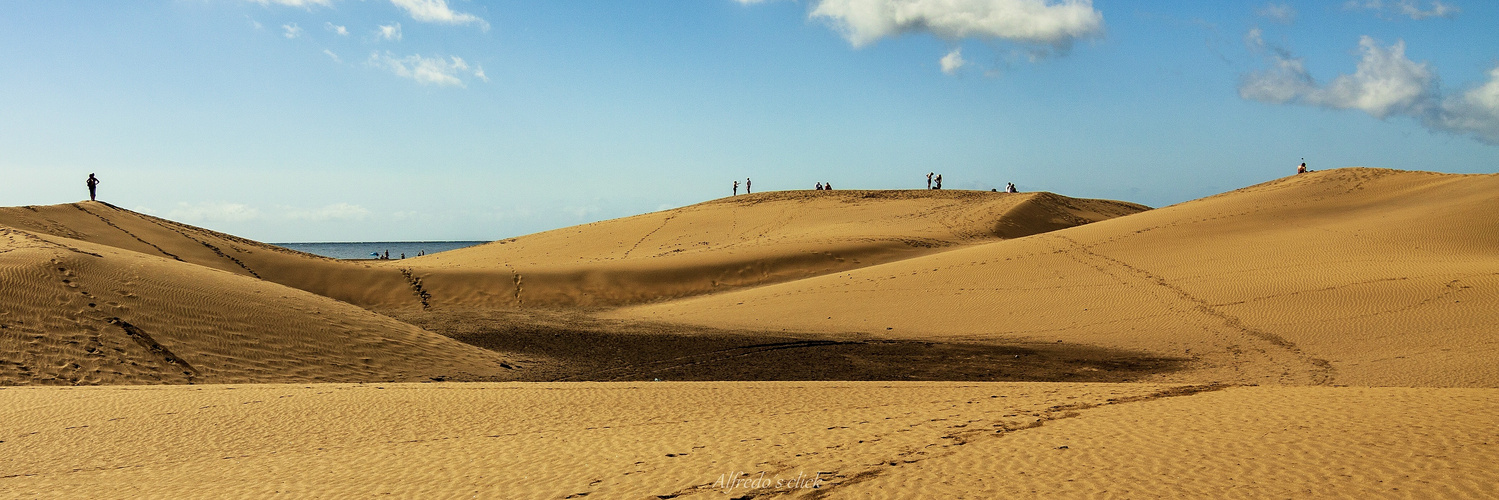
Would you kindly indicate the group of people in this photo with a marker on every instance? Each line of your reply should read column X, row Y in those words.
column 386, row 255
column 929, row 180
column 824, row 186
column 746, row 186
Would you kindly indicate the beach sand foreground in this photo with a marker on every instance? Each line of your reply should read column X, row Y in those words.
column 714, row 440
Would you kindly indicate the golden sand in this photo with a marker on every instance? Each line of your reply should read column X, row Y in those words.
column 694, row 440
column 1247, row 316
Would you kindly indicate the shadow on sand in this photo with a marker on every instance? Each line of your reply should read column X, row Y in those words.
column 578, row 347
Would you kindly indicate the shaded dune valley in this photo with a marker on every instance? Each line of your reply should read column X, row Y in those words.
column 1328, row 334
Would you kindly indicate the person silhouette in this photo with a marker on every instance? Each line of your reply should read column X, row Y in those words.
column 819, row 186
column 1301, row 169
column 827, row 186
column 928, row 180
column 93, row 186
column 1010, row 188
column 736, row 188
column 939, row 182
column 746, row 185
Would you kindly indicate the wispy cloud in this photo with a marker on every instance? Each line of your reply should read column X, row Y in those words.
column 448, row 72
column 295, row 3
column 1407, row 8
column 341, row 30
column 389, row 32
column 1055, row 23
column 1385, row 83
column 336, row 211
column 332, row 55
column 953, row 61
column 1278, row 12
column 212, row 212
column 291, row 30
column 437, row 11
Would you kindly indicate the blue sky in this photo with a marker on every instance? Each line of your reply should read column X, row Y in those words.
column 357, row 120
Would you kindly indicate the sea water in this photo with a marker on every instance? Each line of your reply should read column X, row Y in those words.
column 373, row 249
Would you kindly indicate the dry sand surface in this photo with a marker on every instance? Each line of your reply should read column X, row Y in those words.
column 884, row 315
column 1350, row 276
column 713, row 440
column 72, row 312
column 713, row 246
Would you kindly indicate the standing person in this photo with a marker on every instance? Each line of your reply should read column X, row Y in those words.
column 928, row 180
column 939, row 182
column 93, row 186
column 736, row 188
column 746, row 185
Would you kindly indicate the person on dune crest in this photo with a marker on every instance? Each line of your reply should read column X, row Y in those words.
column 93, row 186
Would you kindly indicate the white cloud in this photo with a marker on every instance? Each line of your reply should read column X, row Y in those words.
column 1385, row 83
column 1057, row 23
column 291, row 30
column 427, row 70
column 212, row 212
column 341, row 30
column 391, row 32
column 332, row 55
column 1474, row 112
column 953, row 61
column 437, row 11
column 1407, row 8
column 336, row 211
column 1278, row 12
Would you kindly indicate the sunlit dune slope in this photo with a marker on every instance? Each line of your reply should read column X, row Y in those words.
column 737, row 242
column 104, row 224
column 717, row 245
column 73, row 312
column 1350, row 276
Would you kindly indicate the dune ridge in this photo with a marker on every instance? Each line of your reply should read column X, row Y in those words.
column 712, row 246
column 73, row 312
column 1349, row 276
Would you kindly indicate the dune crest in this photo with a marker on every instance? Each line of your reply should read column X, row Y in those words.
column 1349, row 276
column 738, row 242
column 708, row 247
column 73, row 312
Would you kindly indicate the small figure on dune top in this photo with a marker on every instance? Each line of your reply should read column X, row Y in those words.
column 746, row 185
column 1010, row 188
column 1301, row 169
column 736, row 188
column 93, row 187
column 929, row 179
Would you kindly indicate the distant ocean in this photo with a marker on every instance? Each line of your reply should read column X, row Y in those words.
column 364, row 250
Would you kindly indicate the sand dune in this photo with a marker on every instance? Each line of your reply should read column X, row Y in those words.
column 1349, row 276
column 748, row 440
column 738, row 242
column 73, row 312
column 1354, row 276
column 713, row 246
column 101, row 223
